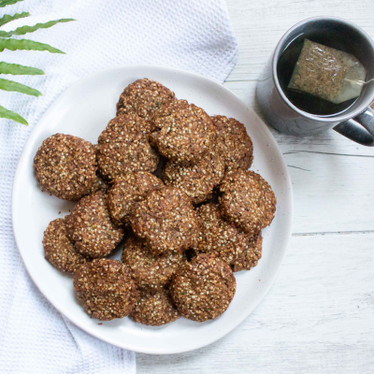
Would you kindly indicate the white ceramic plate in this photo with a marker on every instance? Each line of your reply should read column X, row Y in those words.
column 84, row 110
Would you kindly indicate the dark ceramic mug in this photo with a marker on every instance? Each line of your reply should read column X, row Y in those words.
column 356, row 123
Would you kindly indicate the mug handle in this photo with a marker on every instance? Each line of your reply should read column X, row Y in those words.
column 359, row 129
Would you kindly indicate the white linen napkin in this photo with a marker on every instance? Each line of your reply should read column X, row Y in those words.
column 193, row 35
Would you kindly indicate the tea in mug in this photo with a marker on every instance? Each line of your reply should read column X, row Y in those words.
column 320, row 79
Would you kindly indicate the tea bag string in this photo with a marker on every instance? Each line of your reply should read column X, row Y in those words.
column 359, row 82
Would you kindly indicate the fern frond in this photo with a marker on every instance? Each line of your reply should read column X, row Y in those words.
column 15, row 69
column 29, row 29
column 8, row 85
column 26, row 44
column 8, row 114
column 4, row 3
column 7, row 18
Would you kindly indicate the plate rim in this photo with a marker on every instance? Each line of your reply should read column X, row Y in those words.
column 288, row 223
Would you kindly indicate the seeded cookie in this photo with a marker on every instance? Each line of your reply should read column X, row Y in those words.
column 128, row 190
column 146, row 98
column 106, row 289
column 150, row 270
column 184, row 135
column 90, row 228
column 197, row 180
column 65, row 166
column 250, row 256
column 235, row 143
column 123, row 147
column 247, row 200
column 203, row 288
column 59, row 251
column 220, row 237
column 154, row 308
column 165, row 219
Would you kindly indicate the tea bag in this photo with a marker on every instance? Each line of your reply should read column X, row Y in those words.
column 327, row 73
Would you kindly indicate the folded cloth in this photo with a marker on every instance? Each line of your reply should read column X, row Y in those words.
column 188, row 34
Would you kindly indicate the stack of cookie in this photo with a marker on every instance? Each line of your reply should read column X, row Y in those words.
column 172, row 184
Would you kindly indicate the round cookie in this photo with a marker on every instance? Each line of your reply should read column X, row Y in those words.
column 165, row 219
column 196, row 180
column 250, row 256
column 203, row 288
column 106, row 289
column 65, row 166
column 59, row 251
column 184, row 135
column 128, row 190
column 154, row 309
column 90, row 228
column 220, row 237
column 149, row 270
column 247, row 200
column 235, row 143
column 123, row 147
column 146, row 98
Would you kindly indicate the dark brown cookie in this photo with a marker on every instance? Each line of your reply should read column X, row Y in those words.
column 184, row 135
column 165, row 219
column 59, row 251
column 128, row 190
column 150, row 270
column 197, row 180
column 222, row 238
column 123, row 147
column 154, row 308
column 65, row 166
column 106, row 289
column 247, row 200
column 235, row 143
column 250, row 256
column 146, row 98
column 203, row 288
column 90, row 228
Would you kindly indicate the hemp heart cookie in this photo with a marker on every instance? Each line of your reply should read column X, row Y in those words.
column 203, row 288
column 59, row 251
column 184, row 135
column 150, row 270
column 225, row 240
column 127, row 190
column 235, row 143
column 65, row 166
column 90, row 229
column 166, row 220
column 199, row 179
column 250, row 256
column 247, row 200
column 106, row 289
column 146, row 98
column 123, row 147
column 154, row 308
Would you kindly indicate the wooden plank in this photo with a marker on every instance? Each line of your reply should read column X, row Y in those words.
column 317, row 318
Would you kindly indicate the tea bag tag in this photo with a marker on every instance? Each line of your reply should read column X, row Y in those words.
column 327, row 73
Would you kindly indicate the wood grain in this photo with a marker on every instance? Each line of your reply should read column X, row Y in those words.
column 319, row 315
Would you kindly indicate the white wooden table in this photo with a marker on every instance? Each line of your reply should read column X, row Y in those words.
column 319, row 315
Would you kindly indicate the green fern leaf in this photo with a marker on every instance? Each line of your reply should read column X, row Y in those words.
column 8, row 85
column 26, row 44
column 16, row 69
column 28, row 29
column 8, row 114
column 4, row 3
column 7, row 18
